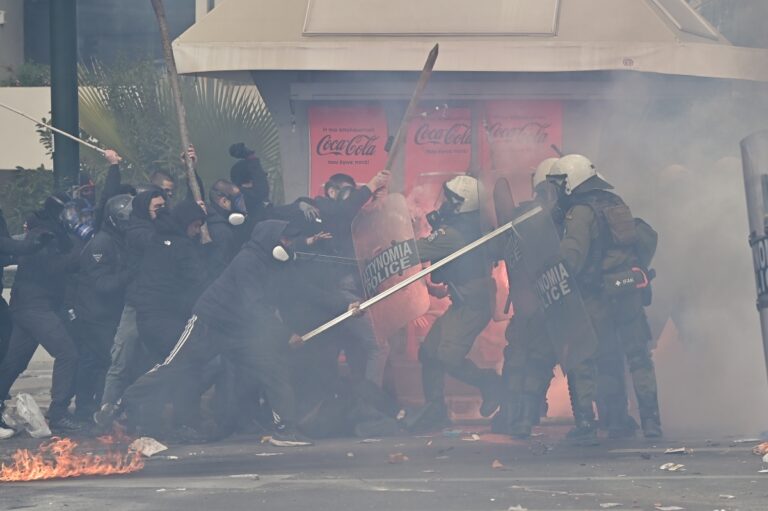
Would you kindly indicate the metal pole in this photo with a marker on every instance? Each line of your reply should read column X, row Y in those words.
column 754, row 154
column 55, row 130
column 66, row 154
column 423, row 273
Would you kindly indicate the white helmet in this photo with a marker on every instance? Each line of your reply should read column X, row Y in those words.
column 464, row 193
column 577, row 170
column 542, row 171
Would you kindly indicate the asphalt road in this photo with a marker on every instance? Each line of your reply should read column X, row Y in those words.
column 442, row 473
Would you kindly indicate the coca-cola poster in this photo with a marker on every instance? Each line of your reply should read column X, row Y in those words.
column 347, row 139
column 518, row 135
column 439, row 141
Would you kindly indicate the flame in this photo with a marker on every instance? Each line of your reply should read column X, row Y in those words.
column 57, row 459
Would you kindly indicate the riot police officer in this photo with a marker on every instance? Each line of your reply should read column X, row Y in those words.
column 472, row 291
column 602, row 246
column 529, row 358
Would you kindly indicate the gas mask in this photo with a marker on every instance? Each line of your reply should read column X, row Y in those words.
column 446, row 210
column 282, row 253
column 343, row 193
column 239, row 211
column 78, row 219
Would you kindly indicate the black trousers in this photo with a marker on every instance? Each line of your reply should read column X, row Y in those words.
column 262, row 357
column 34, row 327
column 94, row 343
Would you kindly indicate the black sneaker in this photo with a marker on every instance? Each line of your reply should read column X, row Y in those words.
column 65, row 424
column 289, row 438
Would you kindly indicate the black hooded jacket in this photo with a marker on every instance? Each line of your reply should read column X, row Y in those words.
column 42, row 277
column 173, row 272
column 227, row 239
column 241, row 301
column 103, row 278
column 138, row 235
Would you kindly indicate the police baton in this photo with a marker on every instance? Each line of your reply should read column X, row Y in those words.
column 421, row 274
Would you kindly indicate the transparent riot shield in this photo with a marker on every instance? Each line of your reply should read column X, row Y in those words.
column 386, row 252
column 534, row 250
column 754, row 153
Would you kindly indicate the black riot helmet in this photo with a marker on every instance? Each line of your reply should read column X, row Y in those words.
column 117, row 212
column 237, row 211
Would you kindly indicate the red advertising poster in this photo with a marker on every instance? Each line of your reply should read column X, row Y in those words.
column 518, row 136
column 439, row 142
column 348, row 139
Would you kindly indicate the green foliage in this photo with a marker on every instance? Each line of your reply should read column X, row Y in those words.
column 24, row 194
column 29, row 74
column 129, row 108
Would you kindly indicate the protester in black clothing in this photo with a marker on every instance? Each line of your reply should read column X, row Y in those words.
column 172, row 276
column 342, row 201
column 235, row 318
column 249, row 176
column 127, row 357
column 10, row 249
column 36, row 298
column 98, row 303
column 226, row 224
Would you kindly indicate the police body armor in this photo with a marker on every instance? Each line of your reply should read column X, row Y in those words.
column 618, row 262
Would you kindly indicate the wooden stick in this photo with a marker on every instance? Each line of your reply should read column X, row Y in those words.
column 423, row 273
column 181, row 113
column 402, row 130
column 57, row 130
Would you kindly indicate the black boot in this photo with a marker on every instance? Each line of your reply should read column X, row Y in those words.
column 617, row 421
column 530, row 411
column 508, row 414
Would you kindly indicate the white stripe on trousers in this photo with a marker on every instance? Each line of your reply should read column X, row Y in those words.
column 179, row 344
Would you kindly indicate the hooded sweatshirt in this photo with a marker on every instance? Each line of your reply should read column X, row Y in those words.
column 138, row 234
column 41, row 279
column 173, row 271
column 240, row 302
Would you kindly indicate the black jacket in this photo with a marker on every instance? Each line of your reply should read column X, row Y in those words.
column 42, row 277
column 173, row 272
column 241, row 301
column 138, row 235
column 227, row 240
column 338, row 216
column 102, row 279
column 11, row 248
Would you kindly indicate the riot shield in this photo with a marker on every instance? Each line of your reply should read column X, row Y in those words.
column 754, row 156
column 521, row 293
column 386, row 252
column 535, row 250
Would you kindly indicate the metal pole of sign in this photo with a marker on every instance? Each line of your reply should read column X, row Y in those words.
column 754, row 155
column 423, row 273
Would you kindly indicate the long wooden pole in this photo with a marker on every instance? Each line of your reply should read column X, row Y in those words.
column 181, row 113
column 55, row 130
column 402, row 130
column 423, row 273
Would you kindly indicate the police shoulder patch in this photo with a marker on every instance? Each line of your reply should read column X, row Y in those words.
column 97, row 257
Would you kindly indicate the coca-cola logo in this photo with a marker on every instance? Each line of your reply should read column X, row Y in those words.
column 359, row 145
column 530, row 133
column 458, row 133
